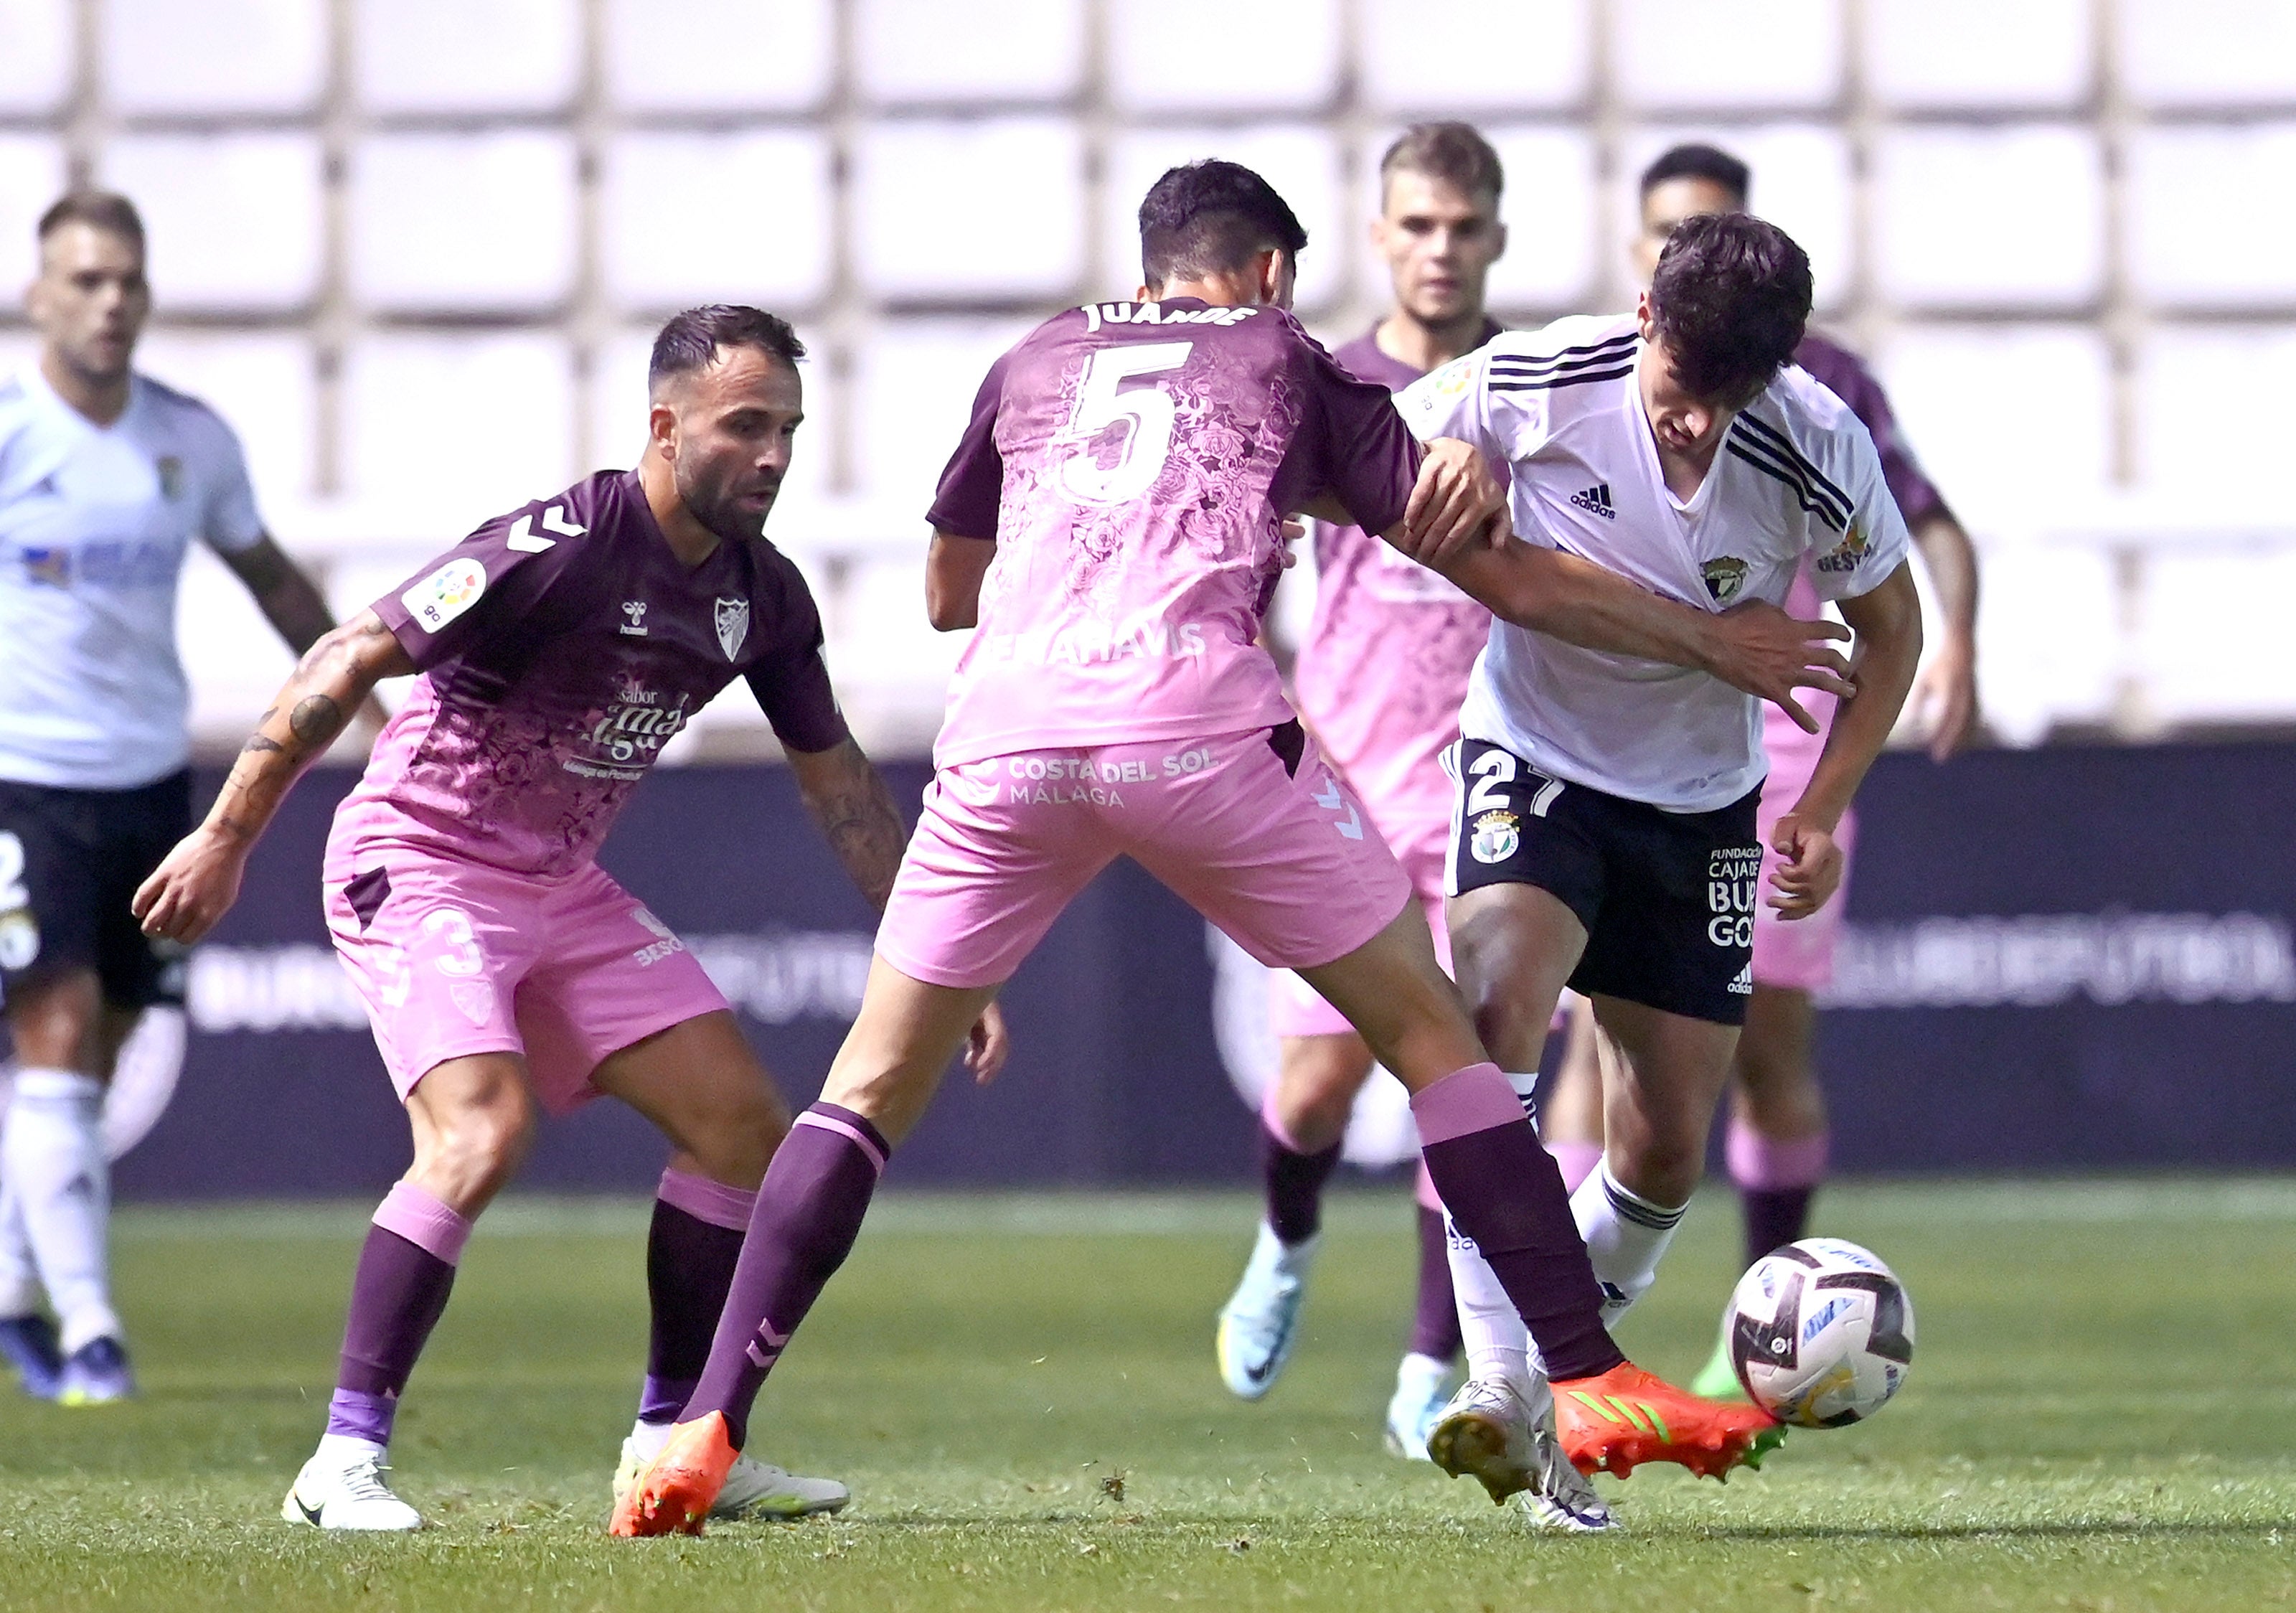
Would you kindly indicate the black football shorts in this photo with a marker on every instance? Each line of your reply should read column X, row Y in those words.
column 70, row 863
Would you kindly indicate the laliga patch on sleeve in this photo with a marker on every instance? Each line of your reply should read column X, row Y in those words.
column 446, row 593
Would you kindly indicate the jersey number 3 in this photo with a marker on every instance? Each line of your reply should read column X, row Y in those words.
column 1148, row 411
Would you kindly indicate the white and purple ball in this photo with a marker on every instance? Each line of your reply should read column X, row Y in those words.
column 1821, row 1332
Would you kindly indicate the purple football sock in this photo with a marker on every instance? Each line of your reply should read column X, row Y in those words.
column 1775, row 1184
column 690, row 1251
column 405, row 1273
column 1505, row 1191
column 809, row 1210
column 1293, row 1177
column 1435, row 1326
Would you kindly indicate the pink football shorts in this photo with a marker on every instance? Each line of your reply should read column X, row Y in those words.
column 1296, row 1009
column 1798, row 954
column 1279, row 855
column 453, row 958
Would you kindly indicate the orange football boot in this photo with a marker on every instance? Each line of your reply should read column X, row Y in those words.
column 1617, row 1421
column 677, row 1488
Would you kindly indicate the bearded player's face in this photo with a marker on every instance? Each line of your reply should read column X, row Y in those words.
column 737, row 421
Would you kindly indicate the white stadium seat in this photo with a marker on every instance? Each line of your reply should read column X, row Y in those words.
column 719, row 55
column 236, row 222
column 2048, row 646
column 2175, row 53
column 1955, row 54
column 1549, row 208
column 1801, row 183
column 2212, row 632
column 263, row 384
column 1966, row 218
column 1751, row 52
column 1301, row 161
column 1454, row 57
column 2009, row 422
column 457, row 427
column 235, row 659
column 1212, row 55
column 914, row 381
column 914, row 52
column 2204, row 422
column 455, row 221
column 688, row 218
column 37, row 54
column 616, row 401
column 2200, row 234
column 467, row 55
column 976, row 208
column 260, row 56
column 31, row 178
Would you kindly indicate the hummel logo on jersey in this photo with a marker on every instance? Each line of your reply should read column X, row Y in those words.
column 1742, row 984
column 553, row 520
column 635, row 610
column 1596, row 500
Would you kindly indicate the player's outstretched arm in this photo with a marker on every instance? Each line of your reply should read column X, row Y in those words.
column 953, row 568
column 197, row 883
column 1944, row 691
column 846, row 798
column 1757, row 648
column 1887, row 621
column 291, row 601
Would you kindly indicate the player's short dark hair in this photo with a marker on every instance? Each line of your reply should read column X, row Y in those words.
column 1211, row 217
column 692, row 340
column 106, row 210
column 1711, row 163
column 1730, row 298
column 1452, row 151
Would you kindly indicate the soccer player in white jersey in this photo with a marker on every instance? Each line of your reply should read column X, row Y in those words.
column 1605, row 835
column 1378, row 679
column 106, row 479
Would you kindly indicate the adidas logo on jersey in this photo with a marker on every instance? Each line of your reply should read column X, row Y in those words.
column 1596, row 500
column 1742, row 984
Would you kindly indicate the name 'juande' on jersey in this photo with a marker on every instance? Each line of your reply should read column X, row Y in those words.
column 1796, row 478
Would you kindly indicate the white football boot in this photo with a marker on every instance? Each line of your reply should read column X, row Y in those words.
column 341, row 1488
column 1418, row 1402
column 1260, row 1321
column 1502, row 1437
column 753, row 1488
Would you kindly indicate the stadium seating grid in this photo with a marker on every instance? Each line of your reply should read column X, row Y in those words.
column 503, row 213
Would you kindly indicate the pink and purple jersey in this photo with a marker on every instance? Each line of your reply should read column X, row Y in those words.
column 1134, row 463
column 1792, row 753
column 1383, row 670
column 559, row 647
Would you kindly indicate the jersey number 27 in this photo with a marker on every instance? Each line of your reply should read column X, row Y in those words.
column 1149, row 411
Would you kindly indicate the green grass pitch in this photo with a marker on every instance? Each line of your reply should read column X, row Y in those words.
column 1021, row 1391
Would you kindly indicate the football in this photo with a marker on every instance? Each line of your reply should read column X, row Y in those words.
column 1821, row 1332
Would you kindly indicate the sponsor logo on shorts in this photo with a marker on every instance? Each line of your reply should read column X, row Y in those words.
column 1331, row 799
column 1496, row 836
column 446, row 593
column 1742, row 984
column 1724, row 578
column 665, row 945
column 1732, row 881
column 475, row 998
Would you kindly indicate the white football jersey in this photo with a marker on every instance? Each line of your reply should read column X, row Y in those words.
column 1797, row 474
column 95, row 521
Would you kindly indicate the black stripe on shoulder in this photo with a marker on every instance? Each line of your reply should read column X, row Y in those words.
column 1590, row 353
column 1814, row 504
column 1784, row 446
column 1568, row 378
column 1837, row 511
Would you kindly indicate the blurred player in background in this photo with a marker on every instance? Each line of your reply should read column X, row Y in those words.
column 1776, row 1143
column 106, row 479
column 1605, row 832
column 1111, row 525
column 1379, row 680
column 559, row 647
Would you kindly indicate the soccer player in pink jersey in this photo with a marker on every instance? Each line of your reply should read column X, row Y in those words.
column 1776, row 1146
column 558, row 646
column 1379, row 681
column 1111, row 525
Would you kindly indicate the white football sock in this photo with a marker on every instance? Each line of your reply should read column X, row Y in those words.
column 1625, row 1236
column 52, row 1154
column 648, row 1438
column 20, row 1279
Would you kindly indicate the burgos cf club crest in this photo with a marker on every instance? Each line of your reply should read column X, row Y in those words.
column 1496, row 836
column 1724, row 578
column 733, row 625
column 171, row 475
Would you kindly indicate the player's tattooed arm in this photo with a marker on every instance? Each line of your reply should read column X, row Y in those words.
column 847, row 799
column 199, row 880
